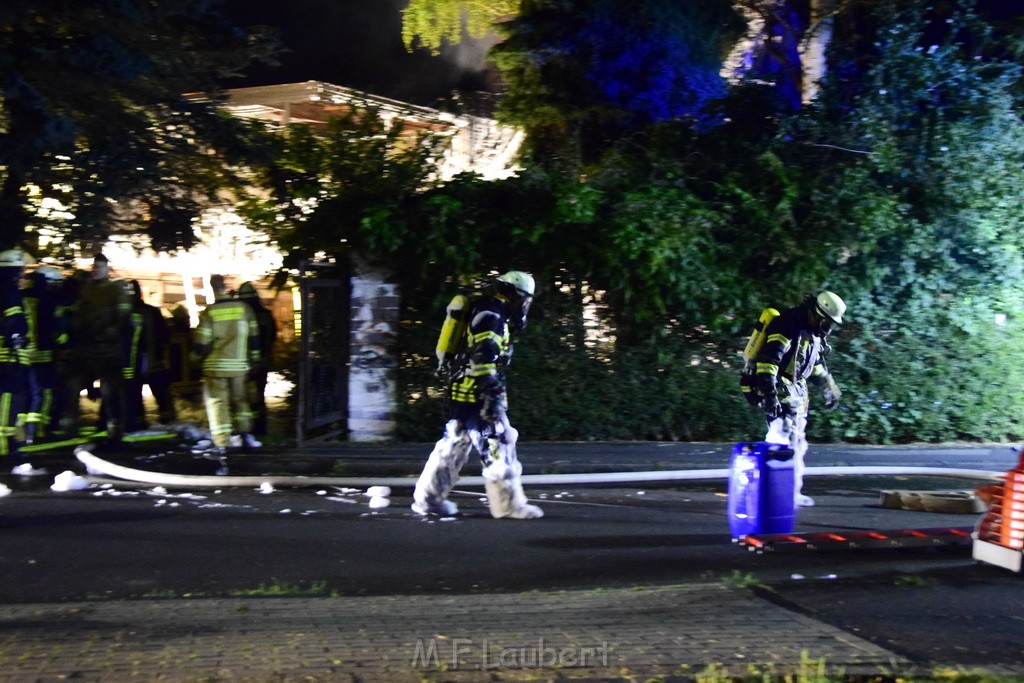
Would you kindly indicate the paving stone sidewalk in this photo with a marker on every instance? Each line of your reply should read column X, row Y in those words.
column 606, row 635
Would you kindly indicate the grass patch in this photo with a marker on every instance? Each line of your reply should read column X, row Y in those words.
column 740, row 580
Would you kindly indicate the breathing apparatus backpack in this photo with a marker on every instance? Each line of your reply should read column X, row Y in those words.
column 754, row 345
column 454, row 337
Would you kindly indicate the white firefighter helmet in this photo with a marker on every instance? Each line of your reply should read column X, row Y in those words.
column 12, row 258
column 517, row 287
column 521, row 282
column 829, row 305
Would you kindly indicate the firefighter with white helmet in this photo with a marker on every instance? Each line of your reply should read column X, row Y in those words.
column 479, row 408
column 793, row 352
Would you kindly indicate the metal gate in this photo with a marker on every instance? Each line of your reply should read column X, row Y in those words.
column 322, row 392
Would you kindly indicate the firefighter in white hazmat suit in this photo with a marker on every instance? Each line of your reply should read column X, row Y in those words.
column 479, row 405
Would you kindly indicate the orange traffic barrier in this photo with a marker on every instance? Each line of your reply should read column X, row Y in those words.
column 1003, row 524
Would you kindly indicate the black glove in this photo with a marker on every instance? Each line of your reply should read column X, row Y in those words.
column 772, row 407
column 765, row 384
column 767, row 389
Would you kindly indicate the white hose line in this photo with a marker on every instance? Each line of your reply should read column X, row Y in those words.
column 95, row 465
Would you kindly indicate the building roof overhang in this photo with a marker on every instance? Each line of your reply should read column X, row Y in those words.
column 315, row 103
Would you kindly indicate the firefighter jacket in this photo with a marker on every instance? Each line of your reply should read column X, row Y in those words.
column 149, row 339
column 99, row 320
column 793, row 351
column 47, row 321
column 267, row 332
column 227, row 338
column 489, row 347
column 13, row 324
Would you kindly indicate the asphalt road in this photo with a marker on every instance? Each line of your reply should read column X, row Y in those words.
column 129, row 540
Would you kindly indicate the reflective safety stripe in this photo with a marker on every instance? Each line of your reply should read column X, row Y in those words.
column 39, row 356
column 780, row 339
column 226, row 314
column 478, row 338
column 482, row 369
column 226, row 364
column 7, row 430
column 8, row 356
column 136, row 319
column 464, row 391
column 768, row 369
column 44, row 411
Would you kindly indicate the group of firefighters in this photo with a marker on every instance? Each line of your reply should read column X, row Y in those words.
column 60, row 336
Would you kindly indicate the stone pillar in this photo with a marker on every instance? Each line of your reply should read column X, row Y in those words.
column 372, row 382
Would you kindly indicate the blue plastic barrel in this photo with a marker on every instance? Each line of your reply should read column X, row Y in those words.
column 761, row 489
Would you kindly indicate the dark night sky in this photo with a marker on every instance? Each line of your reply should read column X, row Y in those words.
column 356, row 44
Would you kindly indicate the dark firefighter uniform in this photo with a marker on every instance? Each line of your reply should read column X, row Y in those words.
column 260, row 370
column 14, row 360
column 793, row 353
column 148, row 340
column 99, row 323
column 479, row 410
column 47, row 336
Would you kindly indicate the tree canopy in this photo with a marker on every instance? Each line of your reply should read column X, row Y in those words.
column 581, row 75
column 94, row 115
column 896, row 187
column 432, row 24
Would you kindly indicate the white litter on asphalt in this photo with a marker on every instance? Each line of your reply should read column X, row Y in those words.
column 378, row 497
column 114, row 493
column 26, row 469
column 266, row 487
column 4, row 490
column 69, row 481
column 227, row 505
